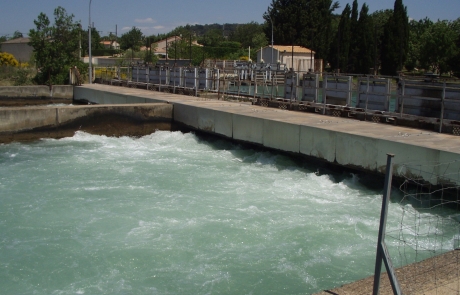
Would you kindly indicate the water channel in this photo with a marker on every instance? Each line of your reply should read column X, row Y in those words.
column 176, row 213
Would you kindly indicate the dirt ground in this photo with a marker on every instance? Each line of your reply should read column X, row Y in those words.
column 435, row 276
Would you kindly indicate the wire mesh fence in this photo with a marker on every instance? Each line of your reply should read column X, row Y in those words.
column 426, row 242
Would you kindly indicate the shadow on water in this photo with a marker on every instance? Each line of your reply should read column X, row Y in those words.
column 248, row 153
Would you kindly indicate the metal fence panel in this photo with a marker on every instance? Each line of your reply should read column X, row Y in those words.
column 373, row 94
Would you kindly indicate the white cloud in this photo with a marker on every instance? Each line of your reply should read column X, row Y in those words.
column 145, row 20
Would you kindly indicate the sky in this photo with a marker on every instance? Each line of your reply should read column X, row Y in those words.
column 161, row 16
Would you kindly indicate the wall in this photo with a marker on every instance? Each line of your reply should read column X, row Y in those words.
column 20, row 48
column 57, row 91
column 28, row 118
column 362, row 151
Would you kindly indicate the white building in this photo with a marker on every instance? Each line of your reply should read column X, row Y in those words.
column 110, row 44
column 297, row 57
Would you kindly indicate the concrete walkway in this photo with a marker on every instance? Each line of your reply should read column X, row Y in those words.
column 342, row 141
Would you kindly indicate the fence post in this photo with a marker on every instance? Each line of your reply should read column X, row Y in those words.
column 382, row 252
column 442, row 106
column 239, row 82
column 324, row 93
column 197, row 81
column 272, row 78
column 367, row 97
column 403, row 86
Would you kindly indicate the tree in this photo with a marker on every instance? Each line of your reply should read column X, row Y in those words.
column 354, row 42
column 379, row 19
column 95, row 41
column 395, row 43
column 439, row 46
column 321, row 34
column 149, row 54
column 131, row 40
column 365, row 45
column 2, row 39
column 416, row 30
column 340, row 47
column 55, row 47
column 302, row 22
column 247, row 33
column 455, row 61
column 17, row 34
column 212, row 38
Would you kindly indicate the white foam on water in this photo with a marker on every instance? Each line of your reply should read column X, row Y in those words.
column 172, row 213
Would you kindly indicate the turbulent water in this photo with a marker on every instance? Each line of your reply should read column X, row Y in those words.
column 173, row 213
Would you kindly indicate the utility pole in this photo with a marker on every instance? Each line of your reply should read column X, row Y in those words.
column 272, row 35
column 79, row 42
column 89, row 47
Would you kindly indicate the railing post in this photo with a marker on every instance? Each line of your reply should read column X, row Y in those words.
column 367, row 97
column 324, row 93
column 442, row 106
column 239, row 82
column 403, row 86
column 197, row 81
column 382, row 252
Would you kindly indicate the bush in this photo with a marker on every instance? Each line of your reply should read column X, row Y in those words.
column 7, row 59
column 16, row 76
column 22, row 77
column 105, row 52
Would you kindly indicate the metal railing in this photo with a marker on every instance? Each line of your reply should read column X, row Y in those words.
column 382, row 99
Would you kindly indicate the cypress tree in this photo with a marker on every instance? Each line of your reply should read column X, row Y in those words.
column 396, row 40
column 341, row 45
column 354, row 27
column 365, row 44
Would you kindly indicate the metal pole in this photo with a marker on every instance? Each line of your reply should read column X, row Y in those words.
column 79, row 43
column 324, row 94
column 382, row 252
column 89, row 47
column 442, row 107
column 403, row 85
column 272, row 37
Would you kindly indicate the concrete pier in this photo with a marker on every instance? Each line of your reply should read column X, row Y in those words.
column 342, row 141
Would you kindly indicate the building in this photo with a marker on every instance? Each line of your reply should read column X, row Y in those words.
column 19, row 48
column 297, row 57
column 110, row 44
column 162, row 46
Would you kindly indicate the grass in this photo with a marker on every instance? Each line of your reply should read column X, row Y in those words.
column 16, row 76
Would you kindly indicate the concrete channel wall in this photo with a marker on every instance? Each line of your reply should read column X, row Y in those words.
column 346, row 142
column 56, row 91
column 331, row 141
column 28, row 118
